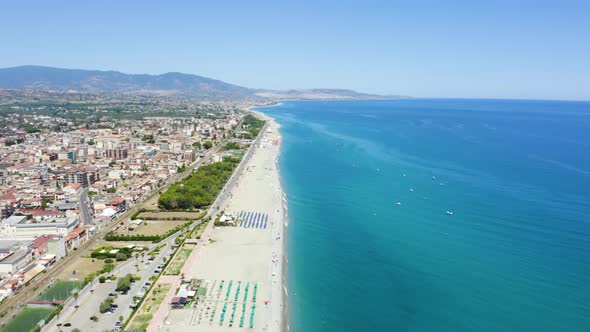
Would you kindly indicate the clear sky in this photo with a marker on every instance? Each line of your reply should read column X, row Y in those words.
column 496, row 49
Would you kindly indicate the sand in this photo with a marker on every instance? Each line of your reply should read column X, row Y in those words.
column 244, row 256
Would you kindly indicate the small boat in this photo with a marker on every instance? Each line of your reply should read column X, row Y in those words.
column 434, row 177
column 411, row 189
column 404, row 175
column 398, row 203
column 450, row 213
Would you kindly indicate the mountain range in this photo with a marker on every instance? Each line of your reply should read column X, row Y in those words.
column 168, row 84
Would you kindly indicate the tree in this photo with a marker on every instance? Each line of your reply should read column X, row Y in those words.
column 76, row 330
column 112, row 190
column 197, row 145
column 105, row 305
column 207, row 145
column 75, row 295
column 121, row 256
column 124, row 283
column 44, row 203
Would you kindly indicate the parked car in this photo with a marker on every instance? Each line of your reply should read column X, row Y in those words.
column 68, row 324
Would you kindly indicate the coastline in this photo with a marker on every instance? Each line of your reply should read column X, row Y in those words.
column 280, row 292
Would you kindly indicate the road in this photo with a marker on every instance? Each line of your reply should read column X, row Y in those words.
column 85, row 214
column 89, row 302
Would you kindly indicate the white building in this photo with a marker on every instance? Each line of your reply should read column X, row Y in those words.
column 19, row 226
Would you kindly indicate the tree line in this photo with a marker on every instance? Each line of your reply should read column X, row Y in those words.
column 199, row 189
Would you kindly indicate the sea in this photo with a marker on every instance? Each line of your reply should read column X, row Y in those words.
column 437, row 214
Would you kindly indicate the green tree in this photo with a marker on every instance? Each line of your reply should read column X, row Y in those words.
column 121, row 256
column 124, row 283
column 197, row 145
column 105, row 305
column 207, row 145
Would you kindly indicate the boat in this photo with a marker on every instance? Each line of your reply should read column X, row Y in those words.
column 450, row 213
column 411, row 189
column 398, row 203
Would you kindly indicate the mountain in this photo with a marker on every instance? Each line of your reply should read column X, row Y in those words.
column 168, row 84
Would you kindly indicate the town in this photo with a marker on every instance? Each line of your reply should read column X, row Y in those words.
column 73, row 175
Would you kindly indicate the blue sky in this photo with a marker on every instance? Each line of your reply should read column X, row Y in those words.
column 495, row 49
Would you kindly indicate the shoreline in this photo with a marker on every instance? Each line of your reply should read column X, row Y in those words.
column 282, row 291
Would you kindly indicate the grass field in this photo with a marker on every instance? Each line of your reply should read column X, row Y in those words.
column 176, row 265
column 27, row 319
column 153, row 227
column 60, row 290
column 169, row 215
column 80, row 268
column 149, row 307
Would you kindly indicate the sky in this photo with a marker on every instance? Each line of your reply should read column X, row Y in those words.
column 483, row 49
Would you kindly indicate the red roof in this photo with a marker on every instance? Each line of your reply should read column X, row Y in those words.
column 8, row 195
column 75, row 233
column 41, row 240
column 116, row 201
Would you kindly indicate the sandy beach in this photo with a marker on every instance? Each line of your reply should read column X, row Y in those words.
column 242, row 266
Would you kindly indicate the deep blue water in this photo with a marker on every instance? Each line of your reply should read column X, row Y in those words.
column 515, row 254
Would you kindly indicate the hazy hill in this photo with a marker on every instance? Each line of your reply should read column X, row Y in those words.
column 178, row 84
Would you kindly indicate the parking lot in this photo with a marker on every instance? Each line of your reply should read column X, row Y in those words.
column 89, row 301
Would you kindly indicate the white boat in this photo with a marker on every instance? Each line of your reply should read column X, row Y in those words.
column 450, row 213
column 411, row 189
column 398, row 203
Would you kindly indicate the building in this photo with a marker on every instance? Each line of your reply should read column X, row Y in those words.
column 76, row 238
column 77, row 177
column 117, row 154
column 40, row 244
column 21, row 227
column 16, row 261
column 56, row 247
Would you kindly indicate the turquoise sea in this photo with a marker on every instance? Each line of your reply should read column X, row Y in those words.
column 513, row 256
